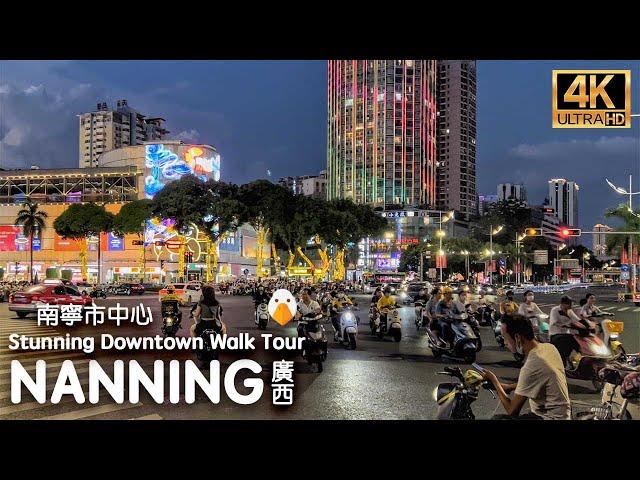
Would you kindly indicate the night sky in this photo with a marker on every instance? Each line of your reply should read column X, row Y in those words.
column 270, row 116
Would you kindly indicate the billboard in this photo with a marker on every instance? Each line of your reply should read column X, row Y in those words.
column 165, row 163
column 231, row 243
column 12, row 239
column 110, row 242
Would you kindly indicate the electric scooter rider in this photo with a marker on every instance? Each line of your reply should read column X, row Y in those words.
column 508, row 306
column 529, row 308
column 430, row 310
column 422, row 298
column 306, row 305
column 447, row 309
column 589, row 309
column 336, row 305
column 561, row 320
column 386, row 301
column 260, row 296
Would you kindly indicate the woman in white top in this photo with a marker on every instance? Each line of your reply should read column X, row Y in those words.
column 589, row 309
column 529, row 308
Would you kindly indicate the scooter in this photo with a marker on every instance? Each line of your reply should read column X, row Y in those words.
column 540, row 325
column 496, row 326
column 592, row 356
column 388, row 321
column 464, row 344
column 373, row 315
column 314, row 346
column 419, row 306
column 208, row 329
column 262, row 316
column 454, row 399
column 348, row 327
column 483, row 314
column 611, row 331
column 171, row 317
column 474, row 324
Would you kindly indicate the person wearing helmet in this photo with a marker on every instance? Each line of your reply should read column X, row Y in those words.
column 385, row 303
column 430, row 309
column 508, row 306
column 171, row 295
column 260, row 296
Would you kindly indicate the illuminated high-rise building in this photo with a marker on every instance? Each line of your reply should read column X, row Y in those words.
column 563, row 198
column 457, row 136
column 381, row 145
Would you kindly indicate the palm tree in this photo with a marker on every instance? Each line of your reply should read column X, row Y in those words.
column 630, row 223
column 32, row 221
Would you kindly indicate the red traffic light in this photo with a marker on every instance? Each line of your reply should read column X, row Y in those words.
column 570, row 232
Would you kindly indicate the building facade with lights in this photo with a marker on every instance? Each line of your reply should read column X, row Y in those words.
column 457, row 135
column 563, row 198
column 134, row 172
column 599, row 246
column 381, row 137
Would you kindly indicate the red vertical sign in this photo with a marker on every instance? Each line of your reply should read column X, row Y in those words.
column 441, row 261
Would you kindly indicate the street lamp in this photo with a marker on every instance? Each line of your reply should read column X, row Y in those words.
column 466, row 262
column 585, row 256
column 492, row 231
column 519, row 239
column 441, row 233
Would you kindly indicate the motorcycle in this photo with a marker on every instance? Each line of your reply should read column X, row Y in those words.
column 388, row 321
column 314, row 346
column 454, row 399
column 348, row 327
column 120, row 290
column 171, row 317
column 98, row 293
column 262, row 316
column 465, row 342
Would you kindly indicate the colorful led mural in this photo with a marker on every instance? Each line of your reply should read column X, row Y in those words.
column 165, row 165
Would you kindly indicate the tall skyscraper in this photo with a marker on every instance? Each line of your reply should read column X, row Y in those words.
column 382, row 131
column 515, row 191
column 600, row 240
column 456, row 173
column 563, row 198
column 105, row 129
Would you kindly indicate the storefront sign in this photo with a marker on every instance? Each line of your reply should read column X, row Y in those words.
column 540, row 257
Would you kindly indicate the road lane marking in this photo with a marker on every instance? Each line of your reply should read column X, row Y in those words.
column 607, row 308
column 16, row 353
column 623, row 309
column 153, row 416
column 24, row 407
column 90, row 412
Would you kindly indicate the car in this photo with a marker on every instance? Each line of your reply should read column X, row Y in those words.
column 412, row 291
column 189, row 292
column 135, row 288
column 26, row 301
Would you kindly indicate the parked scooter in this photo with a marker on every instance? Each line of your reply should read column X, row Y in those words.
column 389, row 322
column 262, row 316
column 314, row 346
column 171, row 317
column 348, row 322
column 455, row 398
column 463, row 345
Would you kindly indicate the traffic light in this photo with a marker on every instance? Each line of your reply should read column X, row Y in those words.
column 533, row 232
column 188, row 257
column 570, row 232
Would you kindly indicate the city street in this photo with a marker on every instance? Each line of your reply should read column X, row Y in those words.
column 379, row 380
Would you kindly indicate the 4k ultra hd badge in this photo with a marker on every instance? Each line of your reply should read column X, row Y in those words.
column 591, row 98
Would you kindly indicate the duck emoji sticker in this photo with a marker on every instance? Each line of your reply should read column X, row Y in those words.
column 282, row 306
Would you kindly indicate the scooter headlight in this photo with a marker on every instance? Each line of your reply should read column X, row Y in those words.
column 600, row 349
column 348, row 316
column 403, row 295
column 169, row 321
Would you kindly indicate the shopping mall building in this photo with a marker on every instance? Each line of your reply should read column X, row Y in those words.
column 122, row 175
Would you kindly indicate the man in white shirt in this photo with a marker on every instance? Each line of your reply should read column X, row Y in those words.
column 561, row 321
column 542, row 379
column 306, row 305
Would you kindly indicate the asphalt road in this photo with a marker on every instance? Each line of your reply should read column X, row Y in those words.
column 379, row 380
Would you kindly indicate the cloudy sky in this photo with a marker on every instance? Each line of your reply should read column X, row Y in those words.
column 270, row 116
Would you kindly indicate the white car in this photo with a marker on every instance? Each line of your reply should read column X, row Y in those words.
column 189, row 292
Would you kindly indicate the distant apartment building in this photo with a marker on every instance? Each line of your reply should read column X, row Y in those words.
column 599, row 247
column 308, row 185
column 106, row 129
column 514, row 191
column 485, row 202
column 563, row 198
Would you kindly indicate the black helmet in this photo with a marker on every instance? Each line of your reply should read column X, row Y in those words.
column 509, row 293
column 387, row 290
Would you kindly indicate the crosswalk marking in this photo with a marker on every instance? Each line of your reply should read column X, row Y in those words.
column 24, row 407
column 32, row 368
column 71, row 356
column 90, row 412
column 7, row 381
column 153, row 416
column 607, row 308
column 623, row 309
